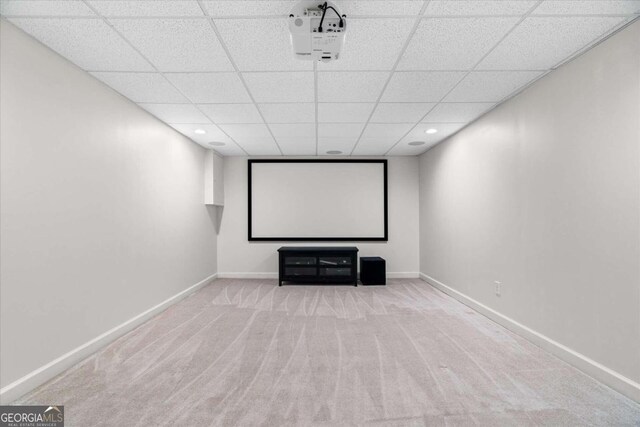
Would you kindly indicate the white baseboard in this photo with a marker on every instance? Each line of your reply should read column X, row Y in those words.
column 43, row 374
column 607, row 376
column 403, row 275
column 248, row 275
column 392, row 275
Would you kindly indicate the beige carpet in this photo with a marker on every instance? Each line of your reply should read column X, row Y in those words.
column 246, row 352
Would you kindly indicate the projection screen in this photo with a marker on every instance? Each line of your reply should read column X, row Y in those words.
column 317, row 200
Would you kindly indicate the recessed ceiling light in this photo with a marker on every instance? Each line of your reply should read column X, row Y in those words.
column 334, row 152
column 431, row 131
column 416, row 143
column 217, row 144
column 200, row 131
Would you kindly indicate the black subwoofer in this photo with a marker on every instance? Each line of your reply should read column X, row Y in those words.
column 373, row 270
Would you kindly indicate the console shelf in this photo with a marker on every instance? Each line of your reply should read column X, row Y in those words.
column 318, row 264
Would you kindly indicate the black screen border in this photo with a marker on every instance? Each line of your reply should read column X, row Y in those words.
column 383, row 238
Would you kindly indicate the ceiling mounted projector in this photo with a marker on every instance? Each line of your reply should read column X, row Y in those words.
column 317, row 30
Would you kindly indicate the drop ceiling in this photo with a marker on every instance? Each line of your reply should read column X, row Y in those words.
column 226, row 66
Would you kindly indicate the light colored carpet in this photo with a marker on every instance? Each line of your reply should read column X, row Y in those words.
column 246, row 352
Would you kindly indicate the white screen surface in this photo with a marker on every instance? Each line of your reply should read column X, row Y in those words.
column 320, row 200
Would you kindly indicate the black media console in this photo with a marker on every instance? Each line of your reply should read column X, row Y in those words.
column 320, row 264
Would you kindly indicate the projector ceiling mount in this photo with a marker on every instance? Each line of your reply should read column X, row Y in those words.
column 317, row 30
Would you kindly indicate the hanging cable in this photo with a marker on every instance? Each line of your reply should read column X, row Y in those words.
column 324, row 8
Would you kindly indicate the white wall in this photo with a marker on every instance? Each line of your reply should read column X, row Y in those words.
column 102, row 213
column 543, row 194
column 240, row 258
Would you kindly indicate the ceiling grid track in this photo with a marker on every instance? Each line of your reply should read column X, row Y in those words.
column 288, row 102
column 231, row 17
column 239, row 74
column 618, row 28
column 416, row 24
column 614, row 30
column 544, row 72
column 525, row 16
column 301, row 71
column 425, row 43
column 106, row 21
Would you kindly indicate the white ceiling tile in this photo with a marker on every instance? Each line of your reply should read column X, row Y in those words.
column 372, row 147
column 289, row 112
column 478, row 7
column 410, row 150
column 455, row 35
column 338, row 136
column 176, row 44
column 380, row 7
column 457, row 112
column 490, row 86
column 260, row 146
column 44, row 8
column 248, row 7
column 280, row 87
column 295, row 139
column 371, row 44
column 204, row 88
column 588, row 7
column 400, row 112
column 142, row 87
column 89, row 43
column 299, row 146
column 340, row 130
column 453, row 43
column 344, row 112
column 227, row 150
column 420, row 86
column 231, row 113
column 298, row 130
column 540, row 43
column 176, row 113
column 213, row 133
column 260, row 44
column 386, row 132
column 350, row 87
column 147, row 8
column 254, row 138
column 345, row 145
column 243, row 131
column 444, row 130
column 349, row 8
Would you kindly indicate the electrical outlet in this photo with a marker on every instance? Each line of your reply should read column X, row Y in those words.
column 498, row 286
